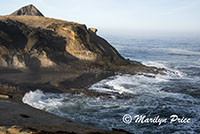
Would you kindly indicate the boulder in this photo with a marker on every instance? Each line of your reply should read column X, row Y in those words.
column 93, row 30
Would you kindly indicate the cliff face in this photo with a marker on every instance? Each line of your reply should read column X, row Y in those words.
column 33, row 42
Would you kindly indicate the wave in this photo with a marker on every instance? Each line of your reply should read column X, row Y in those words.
column 132, row 84
column 45, row 101
column 107, row 112
column 173, row 73
column 124, row 84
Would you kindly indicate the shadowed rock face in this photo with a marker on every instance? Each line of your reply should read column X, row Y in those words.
column 27, row 10
column 45, row 39
column 22, row 46
column 34, row 42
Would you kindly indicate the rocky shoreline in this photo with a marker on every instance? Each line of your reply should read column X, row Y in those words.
column 19, row 118
column 54, row 56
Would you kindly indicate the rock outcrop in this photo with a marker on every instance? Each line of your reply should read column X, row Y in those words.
column 41, row 44
column 93, row 30
column 30, row 10
column 44, row 45
column 33, row 42
column 18, row 118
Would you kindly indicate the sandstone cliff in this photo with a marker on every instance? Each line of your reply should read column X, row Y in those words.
column 34, row 42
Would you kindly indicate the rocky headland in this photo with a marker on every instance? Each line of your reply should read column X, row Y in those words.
column 56, row 56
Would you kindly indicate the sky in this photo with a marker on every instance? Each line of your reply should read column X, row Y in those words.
column 120, row 16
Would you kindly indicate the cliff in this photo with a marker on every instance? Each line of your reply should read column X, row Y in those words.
column 47, row 42
column 55, row 56
column 31, row 41
column 37, row 52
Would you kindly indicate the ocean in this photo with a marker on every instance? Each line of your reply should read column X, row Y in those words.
column 158, row 97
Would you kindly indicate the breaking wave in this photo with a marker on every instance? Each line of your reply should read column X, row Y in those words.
column 139, row 82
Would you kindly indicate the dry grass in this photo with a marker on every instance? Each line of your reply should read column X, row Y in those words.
column 37, row 21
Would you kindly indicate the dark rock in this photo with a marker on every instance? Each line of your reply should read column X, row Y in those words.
column 19, row 118
column 30, row 10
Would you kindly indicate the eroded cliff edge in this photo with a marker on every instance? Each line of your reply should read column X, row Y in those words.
column 37, row 42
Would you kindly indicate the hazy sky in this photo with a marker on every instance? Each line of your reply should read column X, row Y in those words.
column 120, row 16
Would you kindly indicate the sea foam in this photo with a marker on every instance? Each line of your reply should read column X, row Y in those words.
column 130, row 84
column 43, row 101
